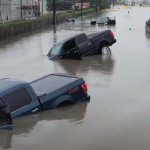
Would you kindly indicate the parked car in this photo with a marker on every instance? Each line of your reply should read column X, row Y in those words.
column 19, row 98
column 105, row 20
column 147, row 26
column 83, row 45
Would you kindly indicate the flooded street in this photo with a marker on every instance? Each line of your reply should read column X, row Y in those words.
column 118, row 114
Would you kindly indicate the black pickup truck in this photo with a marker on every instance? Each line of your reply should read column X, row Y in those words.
column 83, row 45
column 19, row 98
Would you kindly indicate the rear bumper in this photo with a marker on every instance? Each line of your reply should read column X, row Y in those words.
column 112, row 42
column 86, row 98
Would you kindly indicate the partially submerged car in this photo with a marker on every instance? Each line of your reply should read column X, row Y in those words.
column 105, row 20
column 147, row 26
column 83, row 45
column 72, row 20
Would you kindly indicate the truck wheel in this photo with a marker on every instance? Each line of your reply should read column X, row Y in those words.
column 105, row 50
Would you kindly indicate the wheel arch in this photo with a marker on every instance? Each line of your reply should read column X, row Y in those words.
column 65, row 99
column 103, row 43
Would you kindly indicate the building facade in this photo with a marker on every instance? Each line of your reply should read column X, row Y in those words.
column 85, row 5
column 5, row 10
column 21, row 9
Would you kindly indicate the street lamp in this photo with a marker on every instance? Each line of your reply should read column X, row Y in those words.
column 81, row 8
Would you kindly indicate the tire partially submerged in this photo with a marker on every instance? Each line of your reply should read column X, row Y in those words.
column 105, row 50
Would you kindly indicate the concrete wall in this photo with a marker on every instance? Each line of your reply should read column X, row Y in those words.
column 5, row 10
column 15, row 9
column 43, row 7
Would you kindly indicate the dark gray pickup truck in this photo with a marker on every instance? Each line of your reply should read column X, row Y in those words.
column 83, row 45
column 19, row 98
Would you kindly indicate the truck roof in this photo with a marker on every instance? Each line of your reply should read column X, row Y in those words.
column 8, row 84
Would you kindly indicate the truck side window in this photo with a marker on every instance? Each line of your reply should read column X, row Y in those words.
column 69, row 45
column 81, row 39
column 17, row 99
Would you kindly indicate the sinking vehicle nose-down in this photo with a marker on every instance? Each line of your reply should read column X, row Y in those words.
column 83, row 45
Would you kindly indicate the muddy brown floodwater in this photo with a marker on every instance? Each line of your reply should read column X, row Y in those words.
column 118, row 115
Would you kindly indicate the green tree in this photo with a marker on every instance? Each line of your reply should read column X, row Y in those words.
column 100, row 4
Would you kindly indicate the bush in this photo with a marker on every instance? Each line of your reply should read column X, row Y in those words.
column 21, row 26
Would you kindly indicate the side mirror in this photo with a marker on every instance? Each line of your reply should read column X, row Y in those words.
column 5, row 117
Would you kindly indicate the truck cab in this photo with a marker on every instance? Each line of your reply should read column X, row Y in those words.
column 18, row 95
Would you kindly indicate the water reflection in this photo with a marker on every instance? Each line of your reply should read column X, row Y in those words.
column 73, row 113
column 103, row 63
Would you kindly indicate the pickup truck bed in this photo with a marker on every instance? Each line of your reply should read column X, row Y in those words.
column 51, row 83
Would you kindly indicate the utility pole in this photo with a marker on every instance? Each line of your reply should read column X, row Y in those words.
column 0, row 11
column 81, row 8
column 54, row 12
column 42, row 8
column 21, row 8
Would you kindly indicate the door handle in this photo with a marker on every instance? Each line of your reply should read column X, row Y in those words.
column 35, row 110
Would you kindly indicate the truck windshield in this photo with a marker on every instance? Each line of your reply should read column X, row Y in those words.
column 56, row 49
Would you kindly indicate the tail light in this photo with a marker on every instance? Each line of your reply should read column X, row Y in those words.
column 84, row 87
column 111, row 34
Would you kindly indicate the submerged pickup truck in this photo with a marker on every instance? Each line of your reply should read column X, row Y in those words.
column 104, row 20
column 19, row 98
column 83, row 45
